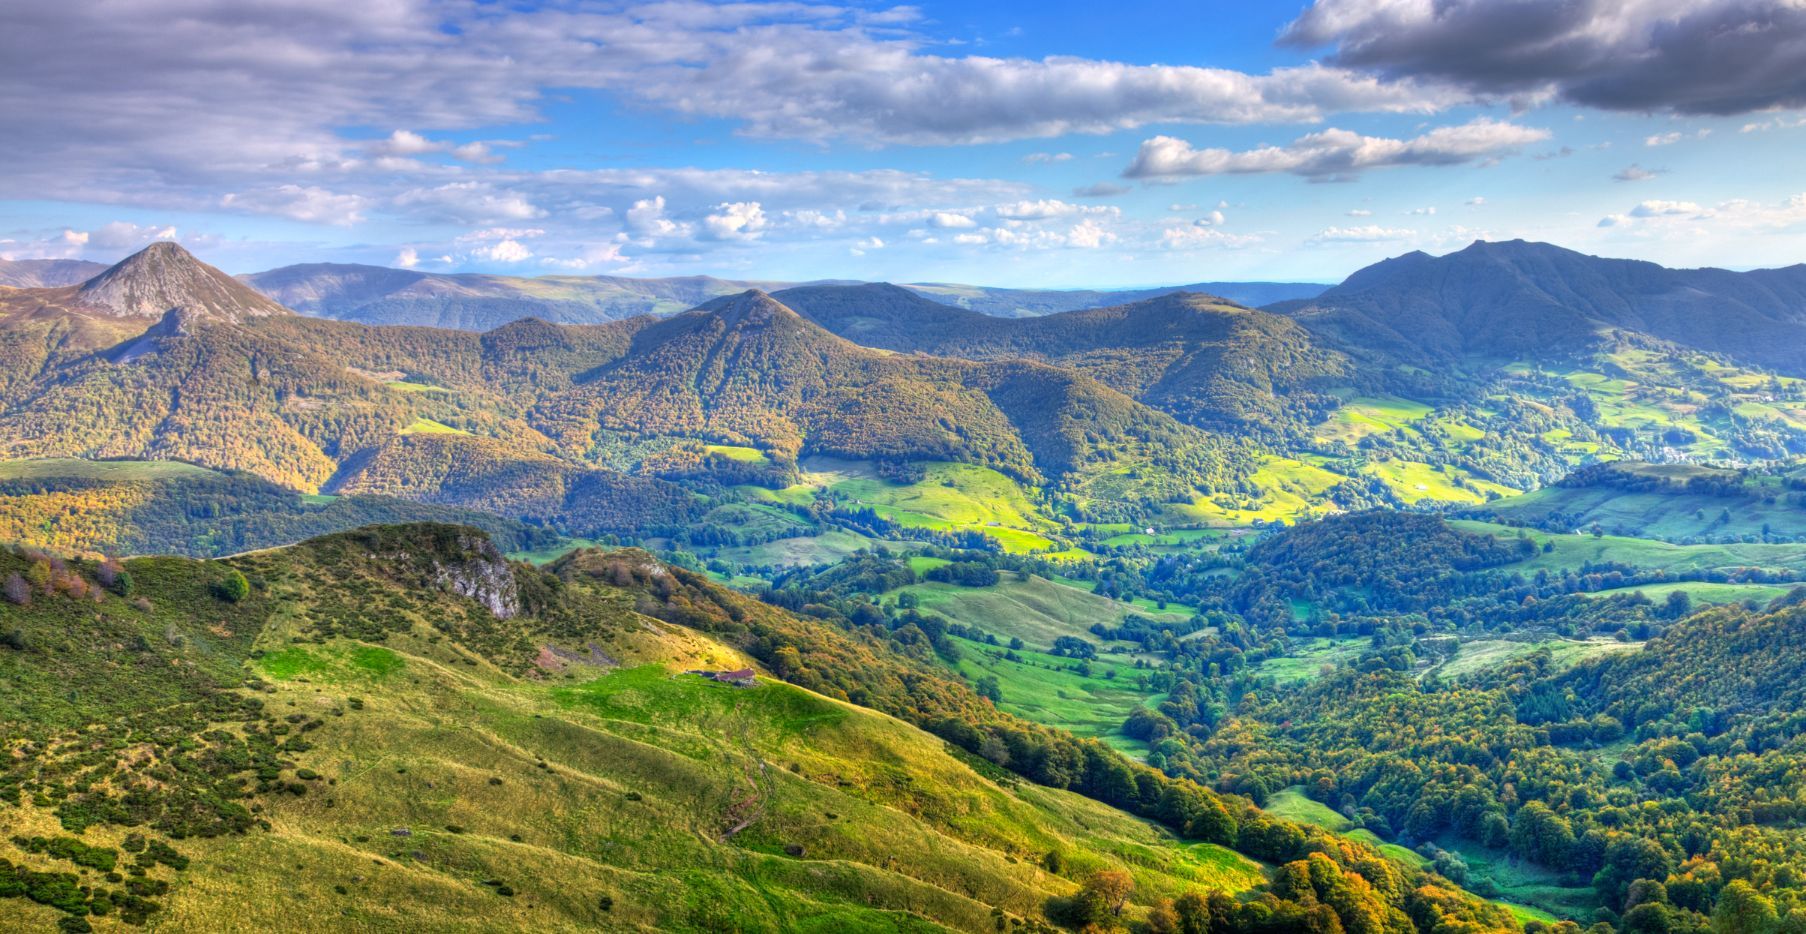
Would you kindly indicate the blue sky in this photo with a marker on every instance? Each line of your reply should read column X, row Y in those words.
column 1052, row 144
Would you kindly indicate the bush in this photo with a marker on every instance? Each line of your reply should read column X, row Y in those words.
column 233, row 587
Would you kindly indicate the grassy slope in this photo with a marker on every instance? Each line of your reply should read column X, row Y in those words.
column 1030, row 608
column 590, row 787
column 1572, row 551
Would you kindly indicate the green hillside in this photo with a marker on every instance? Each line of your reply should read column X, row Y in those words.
column 397, row 727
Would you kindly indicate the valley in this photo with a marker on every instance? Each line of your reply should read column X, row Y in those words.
column 1174, row 608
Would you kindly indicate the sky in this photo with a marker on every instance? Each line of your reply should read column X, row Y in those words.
column 1030, row 144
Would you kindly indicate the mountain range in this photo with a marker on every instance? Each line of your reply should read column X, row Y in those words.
column 380, row 295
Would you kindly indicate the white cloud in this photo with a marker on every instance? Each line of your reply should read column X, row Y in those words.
column 860, row 248
column 735, row 220
column 120, row 235
column 1034, row 158
column 503, row 251
column 1359, row 212
column 1674, row 136
column 1194, row 237
column 408, row 258
column 502, row 233
column 469, row 203
column 1046, row 208
column 971, row 239
column 1334, row 152
column 1089, row 234
column 1421, row 212
column 950, row 220
column 1664, row 208
column 647, row 217
column 310, row 203
column 1635, row 173
column 1369, row 233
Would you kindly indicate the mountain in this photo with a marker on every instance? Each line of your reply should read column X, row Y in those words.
column 1504, row 301
column 749, row 370
column 46, row 273
column 1032, row 303
column 1199, row 357
column 570, row 425
column 379, row 295
column 164, row 277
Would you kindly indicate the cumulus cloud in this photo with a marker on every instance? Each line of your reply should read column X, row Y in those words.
column 1692, row 57
column 1334, row 153
column 1089, row 235
column 950, row 219
column 120, row 235
column 408, row 258
column 647, row 217
column 735, row 220
column 503, row 251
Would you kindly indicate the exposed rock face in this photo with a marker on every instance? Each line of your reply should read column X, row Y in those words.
column 482, row 574
column 163, row 277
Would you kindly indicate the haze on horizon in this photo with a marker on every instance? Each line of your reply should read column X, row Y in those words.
column 1012, row 145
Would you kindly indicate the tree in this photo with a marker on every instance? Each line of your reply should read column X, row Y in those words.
column 1743, row 910
column 1112, row 888
column 233, row 587
column 990, row 689
column 1680, row 603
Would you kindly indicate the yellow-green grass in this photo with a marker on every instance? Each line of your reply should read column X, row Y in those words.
column 950, row 497
column 1573, row 551
column 1290, row 490
column 1482, row 654
column 742, row 455
column 1169, row 539
column 405, row 386
column 827, row 548
column 117, row 470
column 427, row 426
column 1030, row 608
column 1414, row 482
column 1371, row 415
column 1309, row 657
column 1294, row 805
column 551, row 553
column 1524, row 886
column 1045, row 688
column 1705, row 592
column 1670, row 515
column 604, row 800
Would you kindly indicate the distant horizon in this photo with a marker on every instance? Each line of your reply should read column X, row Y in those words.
column 754, row 277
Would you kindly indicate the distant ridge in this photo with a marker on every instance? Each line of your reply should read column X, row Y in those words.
column 476, row 302
column 1518, row 298
column 47, row 273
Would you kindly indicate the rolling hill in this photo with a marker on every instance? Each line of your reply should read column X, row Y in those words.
column 1200, row 358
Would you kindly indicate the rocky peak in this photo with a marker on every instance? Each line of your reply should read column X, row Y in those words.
column 164, row 277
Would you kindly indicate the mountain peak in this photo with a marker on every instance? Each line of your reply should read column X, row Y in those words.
column 164, row 277
column 751, row 307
